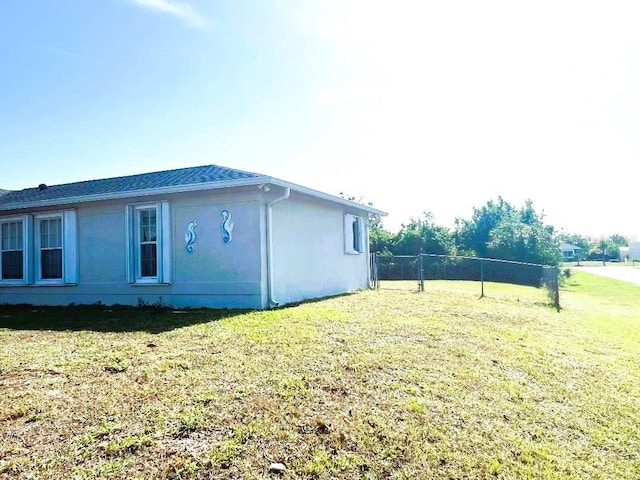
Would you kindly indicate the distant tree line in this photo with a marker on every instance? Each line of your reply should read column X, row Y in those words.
column 496, row 230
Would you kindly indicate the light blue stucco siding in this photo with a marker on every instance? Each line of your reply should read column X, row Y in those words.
column 309, row 259
column 215, row 274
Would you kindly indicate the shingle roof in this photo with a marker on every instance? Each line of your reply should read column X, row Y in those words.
column 168, row 181
column 122, row 185
column 568, row 246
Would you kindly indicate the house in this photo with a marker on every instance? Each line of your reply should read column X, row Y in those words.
column 623, row 254
column 569, row 252
column 634, row 251
column 205, row 236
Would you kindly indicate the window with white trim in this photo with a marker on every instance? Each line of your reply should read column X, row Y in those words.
column 12, row 250
column 353, row 234
column 148, row 243
column 39, row 248
column 50, row 248
column 55, row 246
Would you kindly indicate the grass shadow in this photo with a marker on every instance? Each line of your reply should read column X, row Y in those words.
column 107, row 318
column 311, row 301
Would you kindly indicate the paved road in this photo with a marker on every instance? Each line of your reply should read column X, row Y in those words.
column 626, row 274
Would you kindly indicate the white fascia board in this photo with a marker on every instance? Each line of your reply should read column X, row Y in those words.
column 327, row 196
column 262, row 180
column 194, row 187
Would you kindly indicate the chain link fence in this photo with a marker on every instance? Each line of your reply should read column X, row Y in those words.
column 393, row 271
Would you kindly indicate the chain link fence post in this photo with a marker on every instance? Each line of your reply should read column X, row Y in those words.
column 374, row 269
column 557, row 284
column 481, row 278
column 426, row 266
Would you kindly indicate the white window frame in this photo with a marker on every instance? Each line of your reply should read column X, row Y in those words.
column 69, row 246
column 27, row 227
column 353, row 244
column 163, row 244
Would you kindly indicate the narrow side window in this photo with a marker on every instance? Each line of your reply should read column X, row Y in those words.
column 353, row 234
column 55, row 249
column 50, row 250
column 12, row 250
column 148, row 243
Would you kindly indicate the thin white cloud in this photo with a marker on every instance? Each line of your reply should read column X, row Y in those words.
column 64, row 53
column 181, row 10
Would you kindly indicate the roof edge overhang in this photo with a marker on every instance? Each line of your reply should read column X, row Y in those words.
column 194, row 187
column 327, row 196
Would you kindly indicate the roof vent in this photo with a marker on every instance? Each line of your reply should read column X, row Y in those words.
column 42, row 187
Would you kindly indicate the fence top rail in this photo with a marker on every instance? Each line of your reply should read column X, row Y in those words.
column 377, row 254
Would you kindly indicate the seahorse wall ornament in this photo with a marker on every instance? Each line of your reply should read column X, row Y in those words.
column 227, row 226
column 190, row 236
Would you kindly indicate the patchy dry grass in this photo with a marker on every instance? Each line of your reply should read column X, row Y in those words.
column 389, row 384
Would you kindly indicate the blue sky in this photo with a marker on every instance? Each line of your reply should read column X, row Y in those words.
column 410, row 105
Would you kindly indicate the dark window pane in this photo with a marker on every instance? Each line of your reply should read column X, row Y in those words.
column 148, row 260
column 55, row 237
column 51, row 233
column 44, row 228
column 17, row 240
column 5, row 236
column 12, row 265
column 356, row 235
column 148, row 225
column 11, row 233
column 51, row 263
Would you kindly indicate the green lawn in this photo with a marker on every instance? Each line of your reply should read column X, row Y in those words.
column 598, row 263
column 386, row 384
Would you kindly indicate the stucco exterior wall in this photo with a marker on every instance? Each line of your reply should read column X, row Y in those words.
column 309, row 259
column 215, row 274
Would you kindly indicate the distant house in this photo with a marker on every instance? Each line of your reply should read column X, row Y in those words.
column 634, row 251
column 569, row 252
column 204, row 236
column 623, row 253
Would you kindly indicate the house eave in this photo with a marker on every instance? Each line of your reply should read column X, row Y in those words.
column 327, row 196
column 188, row 188
column 135, row 193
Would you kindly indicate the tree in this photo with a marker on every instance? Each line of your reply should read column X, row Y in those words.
column 522, row 236
column 610, row 245
column 574, row 239
column 499, row 230
column 473, row 236
column 380, row 240
column 496, row 230
column 423, row 236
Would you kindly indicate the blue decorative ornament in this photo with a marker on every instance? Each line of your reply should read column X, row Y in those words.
column 190, row 236
column 227, row 226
